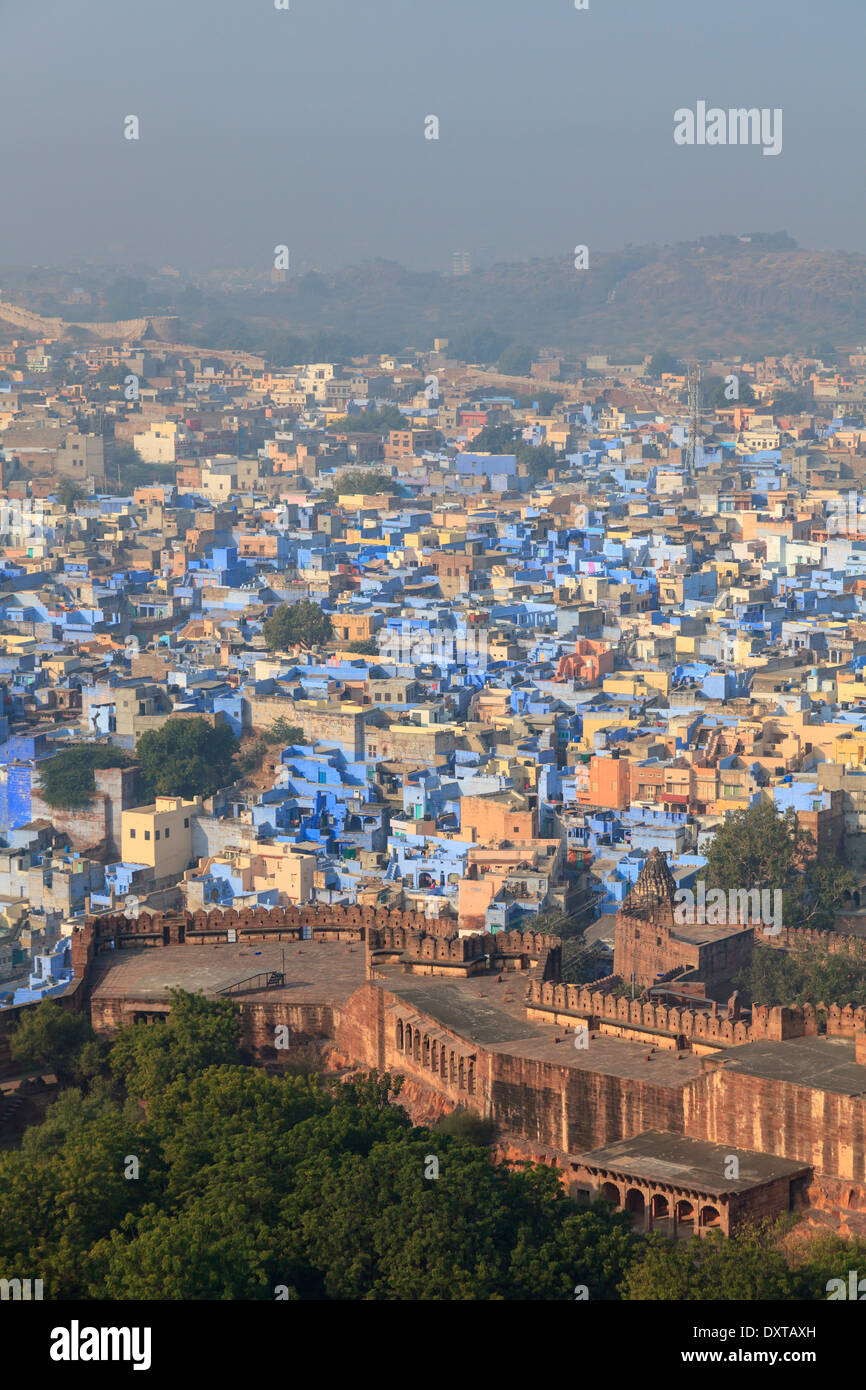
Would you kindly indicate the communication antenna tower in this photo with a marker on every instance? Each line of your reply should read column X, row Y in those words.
column 693, row 446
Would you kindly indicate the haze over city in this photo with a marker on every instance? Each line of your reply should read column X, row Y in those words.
column 306, row 127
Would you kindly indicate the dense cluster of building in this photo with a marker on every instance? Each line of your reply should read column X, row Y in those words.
column 553, row 662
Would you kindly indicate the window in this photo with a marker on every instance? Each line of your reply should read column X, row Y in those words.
column 186, row 822
column 147, row 834
column 167, row 832
column 157, row 835
column 132, row 834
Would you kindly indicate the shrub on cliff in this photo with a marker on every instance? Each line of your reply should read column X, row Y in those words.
column 66, row 781
column 187, row 757
column 762, row 1261
column 468, row 1125
column 49, row 1038
column 303, row 621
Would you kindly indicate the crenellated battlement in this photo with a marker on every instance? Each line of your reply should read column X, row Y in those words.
column 391, row 936
column 598, row 1009
column 799, row 938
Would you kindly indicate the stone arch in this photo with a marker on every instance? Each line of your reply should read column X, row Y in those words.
column 470, row 1078
column 461, row 1075
column 710, row 1218
column 417, row 1048
column 452, row 1069
column 635, row 1202
column 425, row 1051
column 408, row 1043
column 609, row 1192
column 399, row 1035
column 685, row 1212
column 660, row 1207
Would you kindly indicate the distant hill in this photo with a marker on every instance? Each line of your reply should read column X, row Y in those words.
column 752, row 294
column 723, row 294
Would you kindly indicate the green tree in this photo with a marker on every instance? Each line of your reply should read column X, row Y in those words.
column 48, row 1038
column 516, row 360
column 66, row 781
column 810, row 975
column 249, row 1182
column 756, row 848
column 495, row 439
column 281, row 731
column 791, row 402
column 304, row 621
column 199, row 1033
column 580, row 964
column 365, row 647
column 468, row 1125
column 661, row 363
column 68, row 493
column 759, row 1262
column 365, row 482
column 112, row 376
column 380, row 421
column 542, row 401
column 715, row 1268
column 539, row 459
column 187, row 757
column 125, row 470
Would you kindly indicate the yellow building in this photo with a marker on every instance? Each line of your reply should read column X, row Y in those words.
column 595, row 723
column 284, row 867
column 849, row 749
column 160, row 835
column 851, row 687
column 635, row 685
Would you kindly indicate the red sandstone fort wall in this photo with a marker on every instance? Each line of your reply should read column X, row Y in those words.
column 823, row 1129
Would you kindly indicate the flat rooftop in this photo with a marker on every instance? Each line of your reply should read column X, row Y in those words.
column 316, row 971
column 691, row 1163
column 700, row 933
column 824, row 1064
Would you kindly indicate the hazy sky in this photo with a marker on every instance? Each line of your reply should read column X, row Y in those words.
column 306, row 127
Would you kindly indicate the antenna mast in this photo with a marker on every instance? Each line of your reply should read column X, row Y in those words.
column 693, row 447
